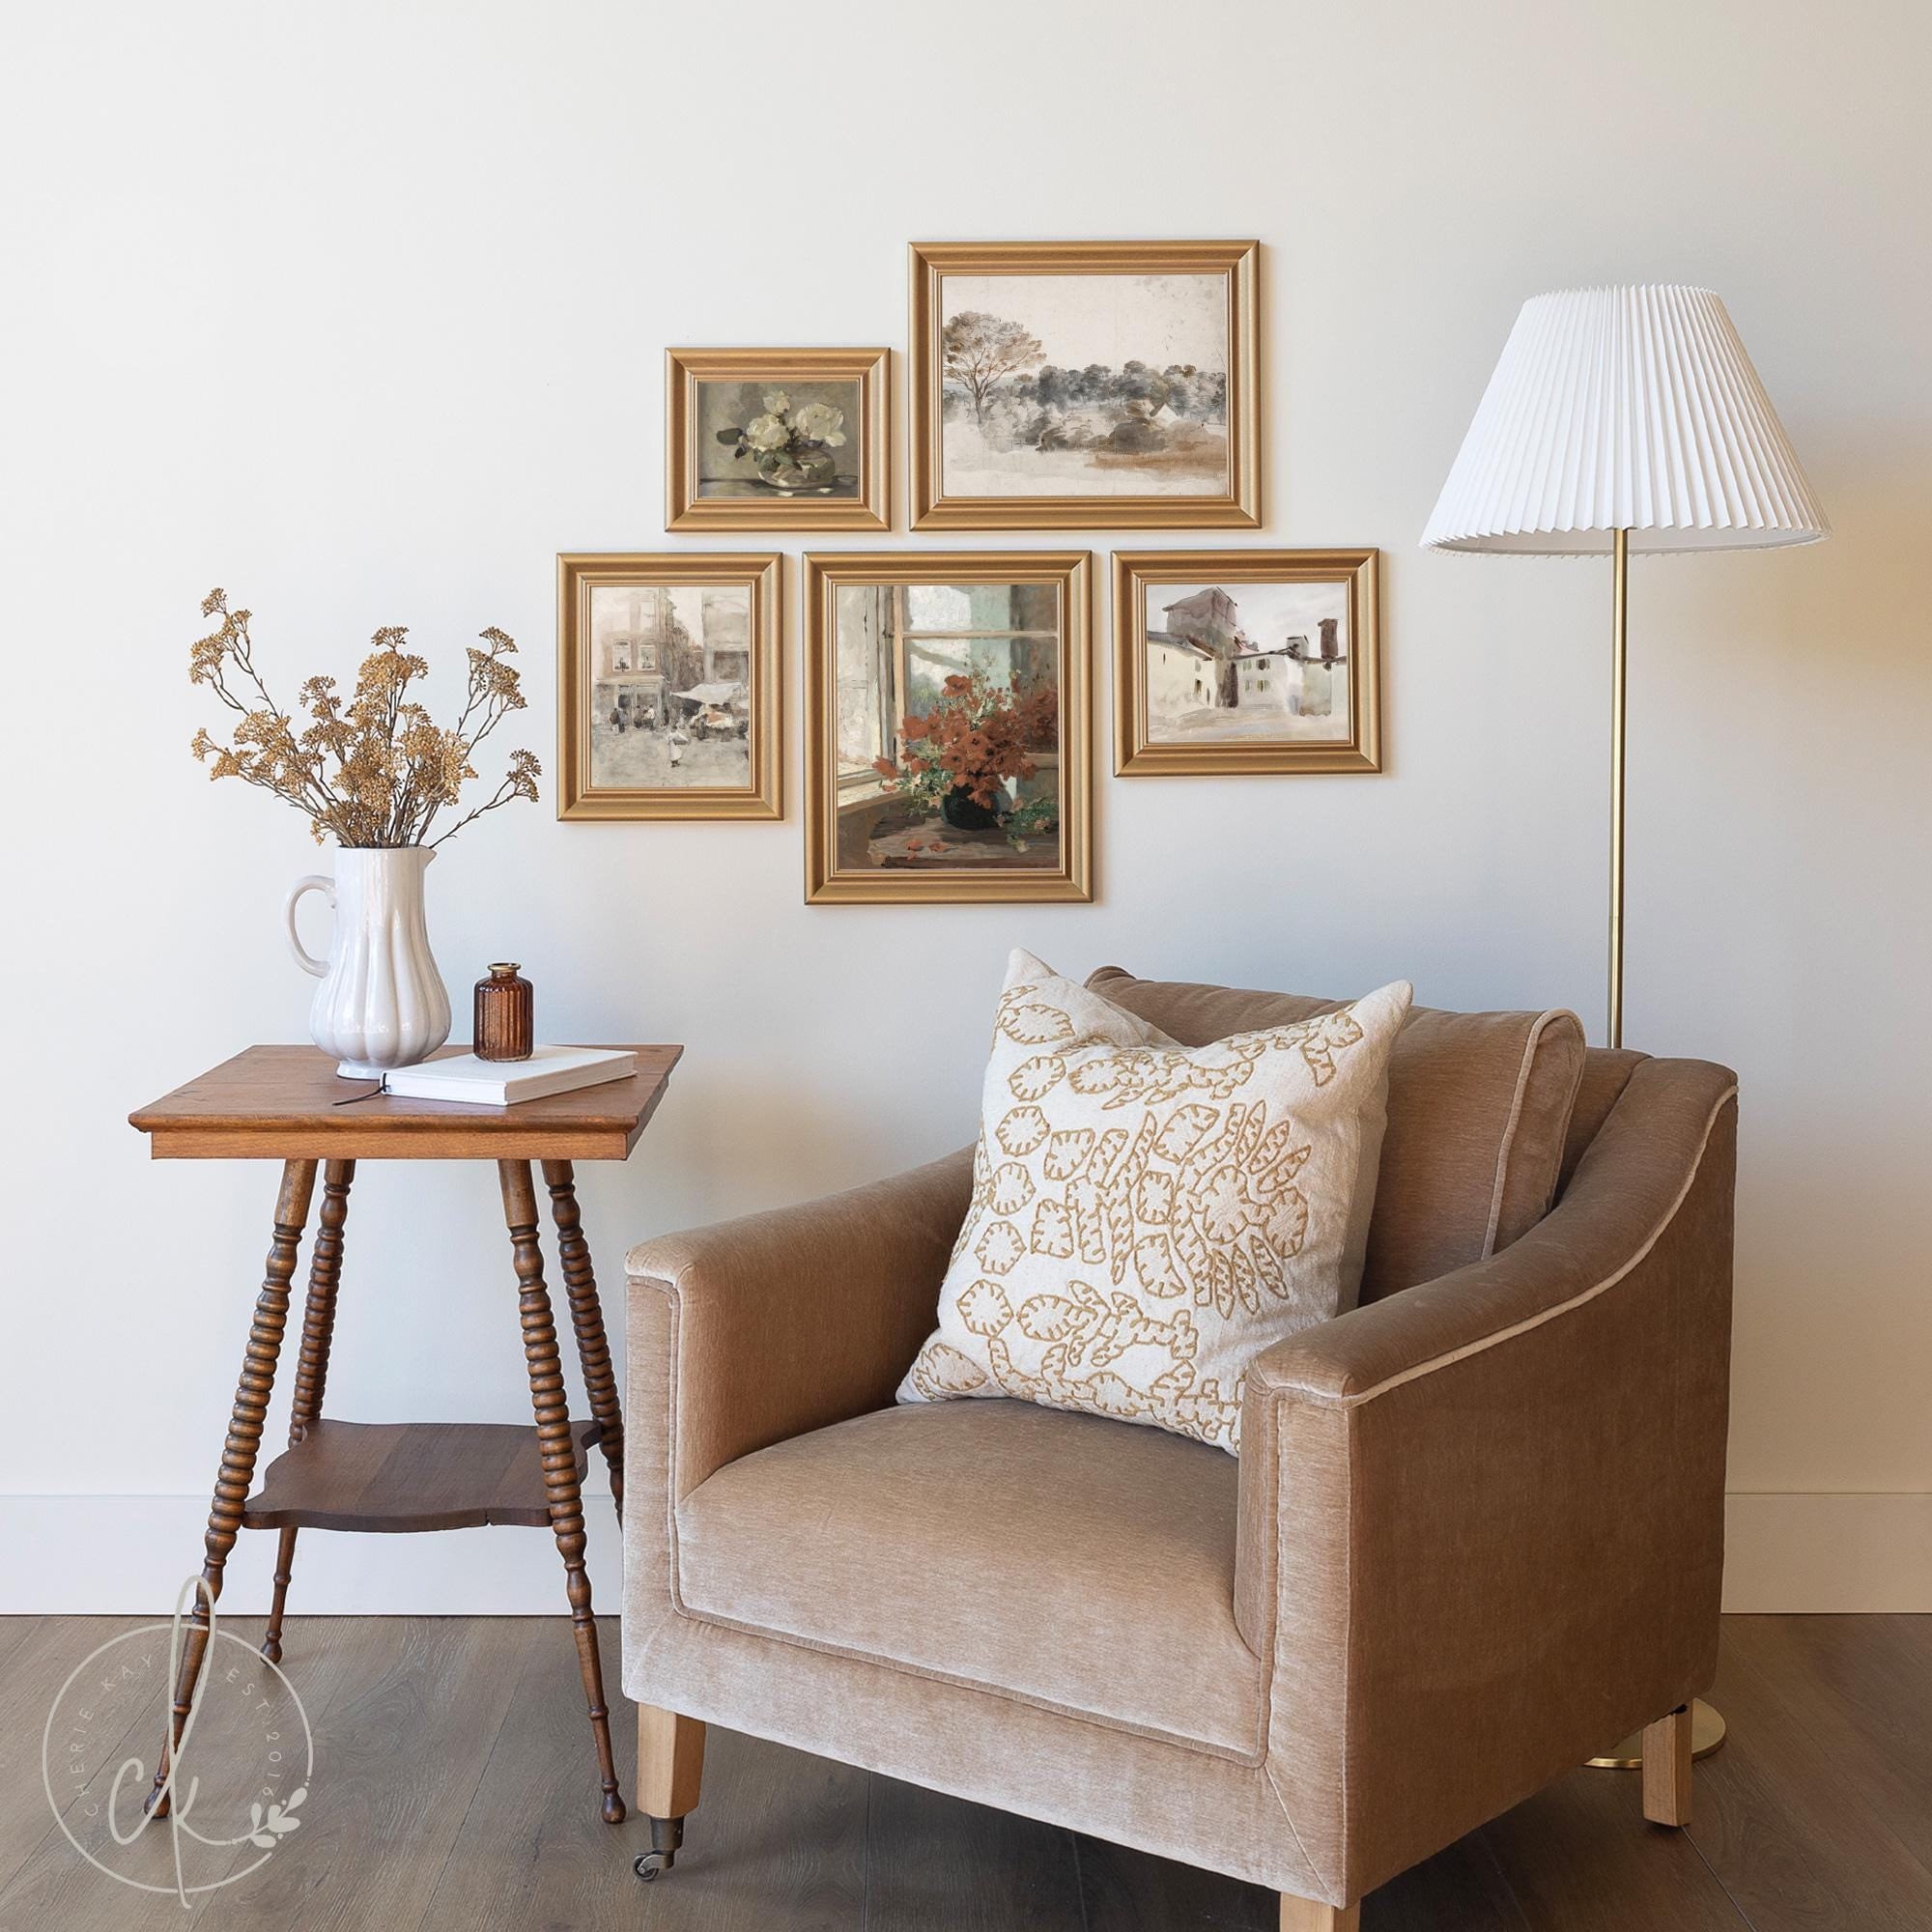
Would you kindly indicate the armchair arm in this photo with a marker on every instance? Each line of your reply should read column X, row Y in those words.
column 761, row 1328
column 1482, row 1521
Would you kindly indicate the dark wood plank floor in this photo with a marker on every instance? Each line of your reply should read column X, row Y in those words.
column 454, row 1793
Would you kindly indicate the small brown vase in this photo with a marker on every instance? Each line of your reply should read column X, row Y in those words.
column 504, row 1021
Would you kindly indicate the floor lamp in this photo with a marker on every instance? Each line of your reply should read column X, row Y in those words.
column 1622, row 419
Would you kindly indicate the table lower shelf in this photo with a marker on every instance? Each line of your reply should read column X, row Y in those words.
column 405, row 1476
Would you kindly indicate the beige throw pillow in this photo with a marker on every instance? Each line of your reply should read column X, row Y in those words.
column 1148, row 1217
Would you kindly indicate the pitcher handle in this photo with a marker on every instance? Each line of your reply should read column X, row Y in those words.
column 314, row 883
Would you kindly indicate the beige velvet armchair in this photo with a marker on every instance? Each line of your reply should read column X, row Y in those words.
column 1474, row 1535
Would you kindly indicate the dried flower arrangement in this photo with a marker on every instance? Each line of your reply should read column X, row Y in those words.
column 955, row 759
column 376, row 772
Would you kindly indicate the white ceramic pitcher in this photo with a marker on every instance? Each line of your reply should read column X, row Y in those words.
column 381, row 1003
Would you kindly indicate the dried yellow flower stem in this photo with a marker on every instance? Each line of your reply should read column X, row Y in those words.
column 377, row 771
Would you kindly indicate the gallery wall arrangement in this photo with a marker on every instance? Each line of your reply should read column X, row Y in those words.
column 1053, row 385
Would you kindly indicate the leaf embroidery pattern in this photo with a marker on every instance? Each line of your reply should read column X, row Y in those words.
column 1194, row 1207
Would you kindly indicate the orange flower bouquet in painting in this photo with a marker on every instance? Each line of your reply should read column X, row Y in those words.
column 959, row 758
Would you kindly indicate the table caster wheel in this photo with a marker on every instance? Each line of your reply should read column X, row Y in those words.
column 650, row 1865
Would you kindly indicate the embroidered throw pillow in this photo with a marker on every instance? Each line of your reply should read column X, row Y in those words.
column 1148, row 1217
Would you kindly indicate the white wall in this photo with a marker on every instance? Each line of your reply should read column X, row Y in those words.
column 359, row 311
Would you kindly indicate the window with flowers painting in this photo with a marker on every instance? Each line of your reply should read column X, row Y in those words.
column 902, row 649
column 946, row 702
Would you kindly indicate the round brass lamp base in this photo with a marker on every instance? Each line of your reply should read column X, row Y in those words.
column 1706, row 1733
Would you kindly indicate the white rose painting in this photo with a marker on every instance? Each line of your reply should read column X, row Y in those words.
column 1085, row 385
column 795, row 439
column 778, row 440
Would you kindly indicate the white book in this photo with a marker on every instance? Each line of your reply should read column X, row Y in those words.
column 502, row 1083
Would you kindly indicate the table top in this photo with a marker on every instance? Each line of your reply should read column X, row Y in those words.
column 289, row 1103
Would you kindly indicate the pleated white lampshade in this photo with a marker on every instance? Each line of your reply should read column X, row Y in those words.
column 1629, row 409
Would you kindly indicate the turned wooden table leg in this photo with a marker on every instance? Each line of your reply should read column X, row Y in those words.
column 243, row 1441
column 558, row 1454
column 587, row 1318
column 325, row 1276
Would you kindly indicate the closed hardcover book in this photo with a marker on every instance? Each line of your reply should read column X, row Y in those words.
column 503, row 1083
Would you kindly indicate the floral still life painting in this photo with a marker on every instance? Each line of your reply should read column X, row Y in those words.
column 668, row 686
column 1246, row 661
column 777, row 439
column 1103, row 383
column 947, row 753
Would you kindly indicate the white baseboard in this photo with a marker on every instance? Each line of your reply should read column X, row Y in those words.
column 127, row 1555
column 1821, row 1554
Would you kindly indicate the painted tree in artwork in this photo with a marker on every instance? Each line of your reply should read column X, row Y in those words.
column 980, row 349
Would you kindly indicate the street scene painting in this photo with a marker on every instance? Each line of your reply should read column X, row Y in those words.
column 671, row 694
column 1085, row 385
column 668, row 686
column 1247, row 661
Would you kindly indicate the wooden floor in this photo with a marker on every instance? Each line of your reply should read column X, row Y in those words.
column 454, row 1788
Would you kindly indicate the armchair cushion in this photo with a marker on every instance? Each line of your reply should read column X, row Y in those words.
column 1147, row 1218
column 1063, row 1560
column 1479, row 1107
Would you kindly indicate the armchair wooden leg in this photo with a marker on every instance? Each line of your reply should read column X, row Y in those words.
column 671, row 1766
column 1305, row 1914
column 1666, row 1769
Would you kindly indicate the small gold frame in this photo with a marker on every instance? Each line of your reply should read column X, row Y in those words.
column 1136, row 755
column 578, row 574
column 1239, row 507
column 871, row 510
column 825, row 882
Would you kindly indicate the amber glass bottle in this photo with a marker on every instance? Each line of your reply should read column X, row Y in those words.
column 505, row 1027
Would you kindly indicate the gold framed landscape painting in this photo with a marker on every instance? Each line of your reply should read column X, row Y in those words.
column 1085, row 385
column 948, row 726
column 671, row 691
column 1246, row 661
column 778, row 440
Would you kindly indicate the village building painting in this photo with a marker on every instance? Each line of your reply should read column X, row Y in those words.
column 1272, row 665
column 1247, row 661
column 670, row 685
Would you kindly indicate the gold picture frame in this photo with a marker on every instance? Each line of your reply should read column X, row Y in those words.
column 746, row 502
column 866, row 840
column 1223, row 698
column 1149, row 423
column 625, row 645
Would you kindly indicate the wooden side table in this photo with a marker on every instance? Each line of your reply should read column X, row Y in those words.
column 286, row 1103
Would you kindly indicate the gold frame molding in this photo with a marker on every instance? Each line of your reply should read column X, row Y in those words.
column 869, row 368
column 1238, row 508
column 578, row 574
column 1071, row 571
column 1134, row 571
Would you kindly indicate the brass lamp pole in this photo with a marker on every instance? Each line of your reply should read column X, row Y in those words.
column 1617, row 412
column 1619, row 679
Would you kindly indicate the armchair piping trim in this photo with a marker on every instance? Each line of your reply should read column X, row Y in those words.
column 1522, row 1073
column 1355, row 1398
